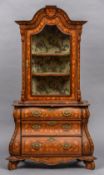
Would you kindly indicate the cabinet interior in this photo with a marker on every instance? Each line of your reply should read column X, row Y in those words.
column 50, row 62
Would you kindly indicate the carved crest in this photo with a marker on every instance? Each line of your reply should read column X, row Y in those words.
column 50, row 12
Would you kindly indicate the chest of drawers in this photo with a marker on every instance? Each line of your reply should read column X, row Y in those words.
column 45, row 134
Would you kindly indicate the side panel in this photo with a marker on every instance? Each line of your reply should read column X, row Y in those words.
column 14, row 146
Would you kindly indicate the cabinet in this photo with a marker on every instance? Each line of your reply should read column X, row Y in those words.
column 51, row 118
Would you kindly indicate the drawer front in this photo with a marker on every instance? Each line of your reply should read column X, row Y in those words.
column 51, row 145
column 51, row 128
column 51, row 114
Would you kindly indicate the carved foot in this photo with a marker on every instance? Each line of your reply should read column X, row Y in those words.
column 12, row 165
column 90, row 165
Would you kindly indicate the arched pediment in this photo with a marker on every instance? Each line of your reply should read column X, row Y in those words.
column 50, row 15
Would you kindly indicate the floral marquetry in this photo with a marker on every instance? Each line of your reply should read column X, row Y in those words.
column 51, row 33
column 51, row 118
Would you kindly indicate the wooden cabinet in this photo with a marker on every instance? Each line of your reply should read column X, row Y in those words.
column 51, row 118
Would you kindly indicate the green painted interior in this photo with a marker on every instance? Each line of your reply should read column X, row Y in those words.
column 50, row 54
column 51, row 85
column 50, row 41
column 50, row 64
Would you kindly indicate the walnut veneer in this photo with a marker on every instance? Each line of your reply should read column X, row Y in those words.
column 51, row 118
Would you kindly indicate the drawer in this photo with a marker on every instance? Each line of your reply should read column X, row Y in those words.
column 51, row 128
column 51, row 145
column 51, row 113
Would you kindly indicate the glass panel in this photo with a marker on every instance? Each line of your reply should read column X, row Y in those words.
column 50, row 62
column 50, row 86
column 50, row 41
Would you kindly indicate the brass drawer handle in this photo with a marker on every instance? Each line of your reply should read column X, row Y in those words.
column 67, row 146
column 36, row 113
column 35, row 126
column 51, row 139
column 66, row 126
column 67, row 114
column 51, row 123
column 36, row 146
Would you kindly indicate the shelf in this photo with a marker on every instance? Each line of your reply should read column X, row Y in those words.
column 57, row 55
column 50, row 63
column 52, row 85
column 50, row 74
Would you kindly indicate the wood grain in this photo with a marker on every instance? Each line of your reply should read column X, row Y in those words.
column 51, row 129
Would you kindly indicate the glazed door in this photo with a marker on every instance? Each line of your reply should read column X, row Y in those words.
column 50, row 63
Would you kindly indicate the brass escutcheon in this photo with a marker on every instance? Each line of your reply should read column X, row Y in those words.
column 66, row 146
column 36, row 145
column 50, row 109
column 66, row 126
column 51, row 139
column 52, row 122
column 67, row 114
column 35, row 126
column 36, row 113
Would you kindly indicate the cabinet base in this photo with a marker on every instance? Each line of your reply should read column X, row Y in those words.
column 88, row 161
column 29, row 143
